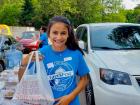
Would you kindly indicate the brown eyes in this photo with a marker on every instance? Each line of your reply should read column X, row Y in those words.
column 56, row 33
column 63, row 33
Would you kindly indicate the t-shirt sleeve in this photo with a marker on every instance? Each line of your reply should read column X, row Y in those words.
column 42, row 50
column 82, row 66
column 42, row 38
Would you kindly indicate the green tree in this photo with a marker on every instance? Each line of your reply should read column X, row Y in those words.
column 10, row 12
column 84, row 12
column 37, row 18
column 130, row 17
column 27, row 13
column 45, row 9
column 38, row 12
column 133, row 16
column 112, row 11
column 137, row 13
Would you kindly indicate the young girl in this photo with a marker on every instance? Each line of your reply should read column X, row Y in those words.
column 63, row 60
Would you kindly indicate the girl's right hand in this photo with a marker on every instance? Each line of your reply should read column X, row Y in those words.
column 34, row 56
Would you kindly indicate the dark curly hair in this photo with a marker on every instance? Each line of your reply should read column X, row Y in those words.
column 71, row 43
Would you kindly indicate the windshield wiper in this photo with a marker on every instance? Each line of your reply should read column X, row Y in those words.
column 106, row 48
column 129, row 48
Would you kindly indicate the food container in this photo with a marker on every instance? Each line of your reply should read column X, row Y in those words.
column 8, row 94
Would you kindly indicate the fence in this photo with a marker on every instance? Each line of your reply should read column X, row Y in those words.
column 17, row 31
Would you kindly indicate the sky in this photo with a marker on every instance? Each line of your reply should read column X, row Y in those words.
column 130, row 4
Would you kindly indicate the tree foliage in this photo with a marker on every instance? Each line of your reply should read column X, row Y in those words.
column 38, row 12
column 10, row 12
column 133, row 16
column 27, row 13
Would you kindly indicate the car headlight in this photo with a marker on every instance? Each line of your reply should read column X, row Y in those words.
column 113, row 77
column 33, row 43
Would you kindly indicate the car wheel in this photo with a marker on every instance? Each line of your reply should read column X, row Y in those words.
column 1, row 67
column 89, row 94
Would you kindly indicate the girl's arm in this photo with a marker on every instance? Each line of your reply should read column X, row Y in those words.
column 23, row 66
column 25, row 62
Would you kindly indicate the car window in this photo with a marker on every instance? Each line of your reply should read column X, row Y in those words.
column 28, row 35
column 79, row 31
column 121, row 36
column 84, row 38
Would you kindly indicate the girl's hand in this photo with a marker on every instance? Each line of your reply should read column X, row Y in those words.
column 65, row 100
column 34, row 57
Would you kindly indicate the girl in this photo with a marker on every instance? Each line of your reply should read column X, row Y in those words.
column 63, row 60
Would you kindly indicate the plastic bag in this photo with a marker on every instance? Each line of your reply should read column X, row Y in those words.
column 34, row 89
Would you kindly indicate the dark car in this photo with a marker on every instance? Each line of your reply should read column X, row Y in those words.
column 30, row 40
column 6, row 41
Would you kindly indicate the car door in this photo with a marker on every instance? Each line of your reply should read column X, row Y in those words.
column 82, row 35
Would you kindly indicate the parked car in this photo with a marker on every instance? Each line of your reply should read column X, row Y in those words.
column 30, row 40
column 112, row 52
column 6, row 41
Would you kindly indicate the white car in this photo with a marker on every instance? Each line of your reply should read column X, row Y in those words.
column 112, row 52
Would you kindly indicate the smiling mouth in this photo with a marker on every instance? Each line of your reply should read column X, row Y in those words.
column 59, row 42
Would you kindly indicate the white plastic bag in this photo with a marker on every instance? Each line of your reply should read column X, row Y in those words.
column 34, row 89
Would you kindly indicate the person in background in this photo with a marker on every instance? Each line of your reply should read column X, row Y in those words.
column 64, row 61
column 43, row 37
column 43, row 41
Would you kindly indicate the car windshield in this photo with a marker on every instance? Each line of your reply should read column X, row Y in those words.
column 28, row 35
column 115, row 37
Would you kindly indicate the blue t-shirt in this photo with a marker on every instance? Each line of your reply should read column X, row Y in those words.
column 44, row 38
column 62, row 68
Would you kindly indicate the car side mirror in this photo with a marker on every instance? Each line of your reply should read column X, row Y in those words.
column 81, row 44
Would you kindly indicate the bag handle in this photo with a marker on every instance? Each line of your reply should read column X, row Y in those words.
column 28, row 64
column 37, row 61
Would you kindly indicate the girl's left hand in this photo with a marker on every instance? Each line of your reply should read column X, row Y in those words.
column 65, row 100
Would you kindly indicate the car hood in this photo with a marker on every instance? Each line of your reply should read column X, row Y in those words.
column 26, row 41
column 125, row 61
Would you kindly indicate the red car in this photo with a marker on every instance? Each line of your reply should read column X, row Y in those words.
column 30, row 40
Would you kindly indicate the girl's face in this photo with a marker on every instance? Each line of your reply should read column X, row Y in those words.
column 41, row 31
column 58, row 36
